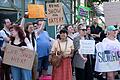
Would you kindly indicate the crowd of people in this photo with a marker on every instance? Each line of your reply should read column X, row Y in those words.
column 32, row 35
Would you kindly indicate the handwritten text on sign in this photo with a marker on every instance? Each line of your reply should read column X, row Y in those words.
column 19, row 57
column 55, row 14
column 87, row 47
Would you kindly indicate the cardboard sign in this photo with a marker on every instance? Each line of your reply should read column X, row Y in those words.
column 55, row 14
column 87, row 47
column 19, row 57
column 112, row 13
column 107, row 57
column 36, row 11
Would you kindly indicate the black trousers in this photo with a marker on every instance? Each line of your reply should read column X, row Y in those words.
column 79, row 74
column 5, row 70
column 87, row 72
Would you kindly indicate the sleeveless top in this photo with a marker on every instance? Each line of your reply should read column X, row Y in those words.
column 20, row 44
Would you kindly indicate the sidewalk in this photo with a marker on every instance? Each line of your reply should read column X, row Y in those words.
column 50, row 72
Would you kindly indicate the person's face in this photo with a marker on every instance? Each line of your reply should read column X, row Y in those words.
column 82, row 32
column 95, row 20
column 88, row 30
column 40, row 25
column 14, row 33
column 7, row 23
column 63, row 35
column 118, row 30
column 30, row 28
column 35, row 26
column 113, row 33
column 70, row 29
column 75, row 29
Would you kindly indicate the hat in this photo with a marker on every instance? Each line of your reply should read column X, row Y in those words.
column 111, row 28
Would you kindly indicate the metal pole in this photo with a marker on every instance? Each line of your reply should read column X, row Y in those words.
column 23, row 8
column 65, row 16
column 71, row 13
column 34, row 1
column 74, row 10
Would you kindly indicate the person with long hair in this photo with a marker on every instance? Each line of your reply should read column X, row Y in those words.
column 30, row 34
column 64, row 71
column 18, row 39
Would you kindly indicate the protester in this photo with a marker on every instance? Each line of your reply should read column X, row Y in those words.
column 70, row 30
column 18, row 39
column 79, row 58
column 60, row 27
column 5, row 33
column 30, row 34
column 108, row 54
column 103, row 33
column 64, row 71
column 43, row 47
column 89, row 65
column 118, row 35
column 88, row 33
column 96, row 30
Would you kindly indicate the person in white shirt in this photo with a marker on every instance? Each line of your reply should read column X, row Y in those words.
column 5, row 33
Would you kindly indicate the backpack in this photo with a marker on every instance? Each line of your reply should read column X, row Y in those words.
column 1, row 38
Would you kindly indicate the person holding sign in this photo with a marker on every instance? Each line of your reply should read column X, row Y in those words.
column 18, row 39
column 80, row 59
column 108, row 52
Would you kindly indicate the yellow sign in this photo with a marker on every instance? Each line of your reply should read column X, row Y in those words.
column 36, row 11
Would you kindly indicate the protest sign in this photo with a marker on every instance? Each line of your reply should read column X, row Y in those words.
column 107, row 57
column 19, row 57
column 112, row 13
column 87, row 47
column 36, row 11
column 55, row 14
column 83, row 12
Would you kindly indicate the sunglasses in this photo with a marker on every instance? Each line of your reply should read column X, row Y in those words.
column 83, row 29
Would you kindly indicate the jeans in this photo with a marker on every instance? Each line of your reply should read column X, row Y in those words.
column 43, row 64
column 21, row 74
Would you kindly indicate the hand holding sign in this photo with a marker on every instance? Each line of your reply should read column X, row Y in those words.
column 87, row 47
column 19, row 57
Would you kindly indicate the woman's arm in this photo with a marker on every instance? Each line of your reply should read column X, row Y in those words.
column 29, row 45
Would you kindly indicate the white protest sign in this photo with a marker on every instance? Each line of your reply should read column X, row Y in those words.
column 55, row 14
column 16, row 56
column 112, row 13
column 107, row 58
column 87, row 47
